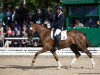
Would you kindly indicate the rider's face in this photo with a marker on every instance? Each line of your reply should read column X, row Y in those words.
column 58, row 11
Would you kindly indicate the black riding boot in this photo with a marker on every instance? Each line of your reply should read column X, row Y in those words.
column 57, row 41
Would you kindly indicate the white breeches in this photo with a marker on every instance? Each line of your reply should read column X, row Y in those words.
column 57, row 32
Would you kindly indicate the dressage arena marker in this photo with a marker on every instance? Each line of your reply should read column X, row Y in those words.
column 33, row 50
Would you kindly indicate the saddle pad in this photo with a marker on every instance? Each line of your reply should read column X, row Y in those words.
column 63, row 34
column 52, row 34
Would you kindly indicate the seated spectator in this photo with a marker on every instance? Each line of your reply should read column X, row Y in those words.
column 35, row 43
column 78, row 24
column 1, row 37
column 29, row 44
column 98, row 24
column 24, row 35
column 16, row 32
column 7, row 43
column 9, row 33
column 15, row 43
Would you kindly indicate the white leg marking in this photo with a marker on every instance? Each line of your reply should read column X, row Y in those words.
column 59, row 65
column 73, row 61
column 93, row 63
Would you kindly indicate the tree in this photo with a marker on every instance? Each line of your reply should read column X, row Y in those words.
column 31, row 4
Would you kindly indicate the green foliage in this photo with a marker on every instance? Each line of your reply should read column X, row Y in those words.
column 30, row 4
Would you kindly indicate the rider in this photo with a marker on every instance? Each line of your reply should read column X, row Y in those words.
column 58, row 25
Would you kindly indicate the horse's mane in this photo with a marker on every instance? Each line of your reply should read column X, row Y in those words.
column 42, row 27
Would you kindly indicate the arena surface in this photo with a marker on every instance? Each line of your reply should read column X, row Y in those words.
column 46, row 65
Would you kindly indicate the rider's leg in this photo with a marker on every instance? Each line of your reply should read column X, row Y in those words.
column 57, row 38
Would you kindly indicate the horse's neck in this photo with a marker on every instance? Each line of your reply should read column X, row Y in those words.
column 41, row 31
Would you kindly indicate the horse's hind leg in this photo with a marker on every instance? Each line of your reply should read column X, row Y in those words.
column 90, row 56
column 77, row 54
column 37, row 53
column 56, row 57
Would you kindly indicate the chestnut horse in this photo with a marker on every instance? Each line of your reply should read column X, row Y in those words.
column 77, row 41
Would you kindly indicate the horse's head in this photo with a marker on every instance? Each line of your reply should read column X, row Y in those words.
column 36, row 28
column 31, row 32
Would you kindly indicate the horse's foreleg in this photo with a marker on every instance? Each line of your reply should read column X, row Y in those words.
column 56, row 57
column 37, row 53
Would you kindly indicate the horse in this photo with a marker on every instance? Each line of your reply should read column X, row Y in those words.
column 76, row 41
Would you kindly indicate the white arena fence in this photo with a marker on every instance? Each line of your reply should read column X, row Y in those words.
column 33, row 50
column 14, row 38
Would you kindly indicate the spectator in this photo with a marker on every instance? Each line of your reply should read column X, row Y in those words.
column 1, row 36
column 16, row 32
column 98, row 24
column 9, row 17
column 1, row 17
column 36, row 43
column 13, row 15
column 38, row 17
column 15, row 43
column 9, row 33
column 46, row 15
column 24, row 35
column 21, row 16
column 31, row 20
column 78, row 24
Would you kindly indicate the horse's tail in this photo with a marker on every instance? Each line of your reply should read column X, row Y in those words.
column 88, row 43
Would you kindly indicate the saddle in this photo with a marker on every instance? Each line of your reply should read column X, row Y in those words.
column 58, row 38
column 62, row 35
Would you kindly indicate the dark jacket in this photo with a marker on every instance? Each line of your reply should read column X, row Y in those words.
column 59, row 22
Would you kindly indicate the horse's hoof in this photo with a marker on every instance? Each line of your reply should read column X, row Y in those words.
column 31, row 64
column 70, row 66
column 58, row 68
column 93, row 66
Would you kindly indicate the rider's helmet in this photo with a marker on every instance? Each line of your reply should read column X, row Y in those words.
column 60, row 7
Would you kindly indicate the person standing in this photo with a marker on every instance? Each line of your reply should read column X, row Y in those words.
column 1, row 16
column 9, row 17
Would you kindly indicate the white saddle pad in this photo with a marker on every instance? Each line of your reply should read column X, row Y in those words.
column 63, row 34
